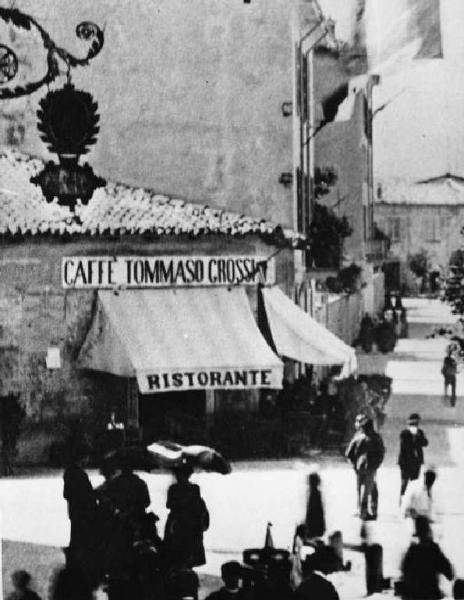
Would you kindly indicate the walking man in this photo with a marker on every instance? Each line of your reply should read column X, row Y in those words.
column 366, row 453
column 349, row 454
column 423, row 564
column 411, row 456
column 449, row 370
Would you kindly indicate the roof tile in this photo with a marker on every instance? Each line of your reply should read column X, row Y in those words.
column 116, row 208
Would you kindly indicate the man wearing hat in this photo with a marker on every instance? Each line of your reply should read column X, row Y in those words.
column 411, row 456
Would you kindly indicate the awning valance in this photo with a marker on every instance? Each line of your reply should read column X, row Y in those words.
column 298, row 336
column 173, row 340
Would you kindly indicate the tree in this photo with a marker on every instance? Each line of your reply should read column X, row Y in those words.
column 327, row 230
column 418, row 263
column 454, row 283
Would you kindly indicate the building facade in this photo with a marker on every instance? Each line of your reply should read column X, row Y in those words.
column 198, row 101
column 426, row 216
column 87, row 296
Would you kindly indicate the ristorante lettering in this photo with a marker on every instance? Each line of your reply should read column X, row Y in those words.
column 209, row 379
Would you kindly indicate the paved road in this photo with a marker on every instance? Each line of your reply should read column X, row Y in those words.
column 242, row 503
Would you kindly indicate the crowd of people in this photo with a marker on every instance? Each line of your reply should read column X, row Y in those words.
column 384, row 330
column 424, row 561
column 114, row 539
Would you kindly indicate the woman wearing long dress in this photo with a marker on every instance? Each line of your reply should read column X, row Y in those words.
column 188, row 519
column 83, row 514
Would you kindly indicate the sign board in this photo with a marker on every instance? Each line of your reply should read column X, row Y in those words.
column 100, row 272
column 209, row 379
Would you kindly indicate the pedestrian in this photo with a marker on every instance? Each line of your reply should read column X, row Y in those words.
column 231, row 573
column 315, row 520
column 315, row 583
column 404, row 329
column 366, row 334
column 366, row 454
column 127, row 492
column 21, row 581
column 411, row 455
column 449, row 370
column 349, row 454
column 188, row 519
column 422, row 565
column 420, row 498
column 83, row 514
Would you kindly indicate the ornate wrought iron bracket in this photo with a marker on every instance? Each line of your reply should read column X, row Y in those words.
column 85, row 31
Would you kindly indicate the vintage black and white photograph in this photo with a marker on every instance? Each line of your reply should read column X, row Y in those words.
column 231, row 299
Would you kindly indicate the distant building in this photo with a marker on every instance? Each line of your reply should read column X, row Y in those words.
column 426, row 215
column 344, row 144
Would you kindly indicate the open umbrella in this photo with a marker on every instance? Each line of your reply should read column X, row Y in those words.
column 165, row 454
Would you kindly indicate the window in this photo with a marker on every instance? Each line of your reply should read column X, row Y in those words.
column 393, row 228
column 432, row 228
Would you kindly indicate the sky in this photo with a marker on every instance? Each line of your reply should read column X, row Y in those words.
column 421, row 133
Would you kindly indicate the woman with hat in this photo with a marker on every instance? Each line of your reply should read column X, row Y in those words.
column 411, row 456
column 188, row 519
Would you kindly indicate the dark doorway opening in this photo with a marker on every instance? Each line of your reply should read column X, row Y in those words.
column 176, row 416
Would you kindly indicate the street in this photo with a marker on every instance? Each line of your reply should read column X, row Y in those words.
column 241, row 504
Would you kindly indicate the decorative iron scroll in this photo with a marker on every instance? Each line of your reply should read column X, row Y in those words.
column 85, row 31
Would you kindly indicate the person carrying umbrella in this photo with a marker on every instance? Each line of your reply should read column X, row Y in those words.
column 188, row 519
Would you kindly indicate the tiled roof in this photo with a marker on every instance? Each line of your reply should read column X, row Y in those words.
column 447, row 191
column 112, row 209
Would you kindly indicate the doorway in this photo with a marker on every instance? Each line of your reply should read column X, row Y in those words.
column 174, row 416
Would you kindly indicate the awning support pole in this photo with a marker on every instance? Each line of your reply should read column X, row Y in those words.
column 132, row 404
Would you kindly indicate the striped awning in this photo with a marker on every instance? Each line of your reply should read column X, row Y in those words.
column 180, row 339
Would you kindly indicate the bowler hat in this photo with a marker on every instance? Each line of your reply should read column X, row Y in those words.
column 413, row 419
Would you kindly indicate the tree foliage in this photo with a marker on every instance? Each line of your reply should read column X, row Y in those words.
column 326, row 234
column 327, row 230
column 418, row 263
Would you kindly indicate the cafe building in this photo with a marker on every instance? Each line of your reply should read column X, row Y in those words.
column 173, row 314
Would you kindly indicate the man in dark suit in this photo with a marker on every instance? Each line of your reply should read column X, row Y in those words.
column 411, row 456
column 366, row 453
column 422, row 565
